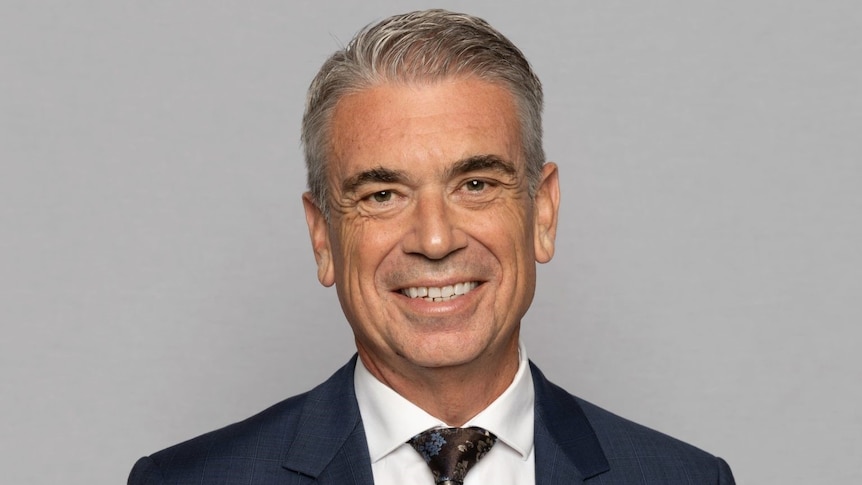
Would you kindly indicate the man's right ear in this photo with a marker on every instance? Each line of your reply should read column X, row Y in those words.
column 318, row 229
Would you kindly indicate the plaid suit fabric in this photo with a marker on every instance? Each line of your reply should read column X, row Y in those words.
column 318, row 438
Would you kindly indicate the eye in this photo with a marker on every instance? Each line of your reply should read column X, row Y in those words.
column 475, row 185
column 382, row 196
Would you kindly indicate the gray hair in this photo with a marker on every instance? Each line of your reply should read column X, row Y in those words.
column 422, row 46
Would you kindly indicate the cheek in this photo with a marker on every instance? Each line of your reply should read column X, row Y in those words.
column 507, row 233
column 363, row 247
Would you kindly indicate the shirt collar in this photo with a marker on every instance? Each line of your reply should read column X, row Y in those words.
column 390, row 420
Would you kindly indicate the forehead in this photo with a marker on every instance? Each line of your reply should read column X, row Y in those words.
column 423, row 125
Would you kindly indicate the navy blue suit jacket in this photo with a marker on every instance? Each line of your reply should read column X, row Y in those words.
column 317, row 437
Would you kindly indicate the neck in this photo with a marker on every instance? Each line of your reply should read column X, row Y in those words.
column 453, row 394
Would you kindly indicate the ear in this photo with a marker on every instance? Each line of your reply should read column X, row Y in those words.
column 318, row 229
column 546, row 205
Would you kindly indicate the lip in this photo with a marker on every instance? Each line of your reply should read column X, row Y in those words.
column 452, row 304
column 441, row 293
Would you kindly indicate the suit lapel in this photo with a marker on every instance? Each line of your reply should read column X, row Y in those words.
column 329, row 444
column 330, row 447
column 567, row 450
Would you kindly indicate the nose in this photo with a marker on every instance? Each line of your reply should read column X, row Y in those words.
column 434, row 231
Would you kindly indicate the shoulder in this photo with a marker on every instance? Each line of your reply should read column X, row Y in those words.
column 622, row 438
column 630, row 449
column 256, row 445
column 224, row 451
column 651, row 454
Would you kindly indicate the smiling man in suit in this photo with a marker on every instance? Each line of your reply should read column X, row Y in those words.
column 430, row 204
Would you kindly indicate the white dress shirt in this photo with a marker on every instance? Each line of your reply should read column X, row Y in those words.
column 390, row 420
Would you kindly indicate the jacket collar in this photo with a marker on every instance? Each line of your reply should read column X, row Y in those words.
column 330, row 439
column 566, row 445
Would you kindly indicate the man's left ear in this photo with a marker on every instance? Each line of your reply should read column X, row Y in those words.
column 546, row 204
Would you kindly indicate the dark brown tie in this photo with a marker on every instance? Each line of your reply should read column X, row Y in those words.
column 451, row 452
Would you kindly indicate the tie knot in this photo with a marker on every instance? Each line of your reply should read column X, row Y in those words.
column 451, row 452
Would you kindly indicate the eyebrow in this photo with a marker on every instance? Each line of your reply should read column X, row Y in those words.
column 374, row 175
column 479, row 163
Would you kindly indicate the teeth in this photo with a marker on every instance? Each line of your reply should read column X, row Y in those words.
column 439, row 294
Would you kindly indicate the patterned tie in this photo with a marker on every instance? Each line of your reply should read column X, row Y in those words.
column 451, row 452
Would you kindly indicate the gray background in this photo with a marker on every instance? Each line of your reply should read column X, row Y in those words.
column 156, row 280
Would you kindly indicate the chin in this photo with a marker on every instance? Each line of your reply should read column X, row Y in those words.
column 449, row 352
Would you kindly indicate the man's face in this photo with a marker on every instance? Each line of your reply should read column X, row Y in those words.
column 433, row 236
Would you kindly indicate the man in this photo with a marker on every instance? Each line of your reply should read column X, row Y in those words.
column 430, row 203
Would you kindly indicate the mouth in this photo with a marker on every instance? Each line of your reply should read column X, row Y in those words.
column 439, row 293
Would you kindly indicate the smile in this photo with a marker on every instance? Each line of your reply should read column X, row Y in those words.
column 443, row 293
